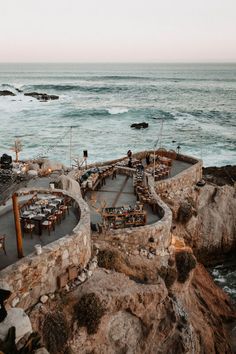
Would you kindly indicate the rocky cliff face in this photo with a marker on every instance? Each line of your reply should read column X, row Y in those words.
column 126, row 316
column 212, row 230
column 136, row 305
column 205, row 218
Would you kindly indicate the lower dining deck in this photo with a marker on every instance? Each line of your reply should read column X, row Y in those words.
column 40, row 236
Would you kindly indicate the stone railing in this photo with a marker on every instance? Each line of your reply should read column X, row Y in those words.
column 186, row 178
column 140, row 156
column 36, row 275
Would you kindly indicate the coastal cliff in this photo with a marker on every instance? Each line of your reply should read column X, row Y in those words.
column 124, row 314
column 212, row 232
column 204, row 217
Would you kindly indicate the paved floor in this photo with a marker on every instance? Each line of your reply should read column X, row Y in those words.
column 120, row 192
column 116, row 192
column 177, row 167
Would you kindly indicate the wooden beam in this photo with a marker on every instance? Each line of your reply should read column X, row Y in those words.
column 17, row 225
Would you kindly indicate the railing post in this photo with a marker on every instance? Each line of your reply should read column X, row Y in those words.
column 17, row 225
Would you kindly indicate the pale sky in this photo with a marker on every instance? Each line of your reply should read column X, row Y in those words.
column 117, row 30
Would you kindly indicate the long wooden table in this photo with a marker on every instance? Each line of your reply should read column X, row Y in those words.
column 119, row 218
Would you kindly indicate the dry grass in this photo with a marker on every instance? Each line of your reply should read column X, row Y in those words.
column 55, row 332
column 89, row 312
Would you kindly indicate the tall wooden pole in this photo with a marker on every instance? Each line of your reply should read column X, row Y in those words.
column 17, row 225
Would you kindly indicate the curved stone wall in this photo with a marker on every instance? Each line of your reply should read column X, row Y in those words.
column 155, row 236
column 186, row 178
column 35, row 275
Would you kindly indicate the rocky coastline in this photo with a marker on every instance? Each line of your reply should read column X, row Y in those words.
column 135, row 305
column 43, row 97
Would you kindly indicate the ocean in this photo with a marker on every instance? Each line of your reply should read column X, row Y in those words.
column 195, row 102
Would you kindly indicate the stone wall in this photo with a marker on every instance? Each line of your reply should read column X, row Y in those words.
column 186, row 178
column 36, row 275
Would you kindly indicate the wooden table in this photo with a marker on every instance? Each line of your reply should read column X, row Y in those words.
column 119, row 218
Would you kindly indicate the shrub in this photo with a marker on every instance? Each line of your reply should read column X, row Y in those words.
column 55, row 332
column 185, row 212
column 185, row 262
column 108, row 259
column 89, row 312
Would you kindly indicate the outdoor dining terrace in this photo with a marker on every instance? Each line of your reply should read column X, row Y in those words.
column 44, row 216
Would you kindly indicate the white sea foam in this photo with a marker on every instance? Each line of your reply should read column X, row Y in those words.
column 117, row 110
column 229, row 290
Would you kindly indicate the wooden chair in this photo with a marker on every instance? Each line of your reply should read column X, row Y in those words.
column 53, row 219
column 28, row 227
column 48, row 225
column 64, row 209
column 58, row 214
column 2, row 243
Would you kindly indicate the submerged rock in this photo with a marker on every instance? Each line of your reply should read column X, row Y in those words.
column 42, row 96
column 6, row 93
column 139, row 125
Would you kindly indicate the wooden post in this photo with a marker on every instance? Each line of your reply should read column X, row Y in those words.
column 17, row 225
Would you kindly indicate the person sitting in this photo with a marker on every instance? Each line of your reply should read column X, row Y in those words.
column 148, row 159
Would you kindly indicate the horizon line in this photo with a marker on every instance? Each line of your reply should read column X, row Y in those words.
column 122, row 62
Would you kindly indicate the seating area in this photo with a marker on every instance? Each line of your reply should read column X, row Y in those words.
column 95, row 178
column 45, row 217
column 126, row 216
column 161, row 171
column 43, row 211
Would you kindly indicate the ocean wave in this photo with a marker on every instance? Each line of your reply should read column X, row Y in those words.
column 79, row 88
column 159, row 114
column 7, row 85
column 86, row 113
column 117, row 110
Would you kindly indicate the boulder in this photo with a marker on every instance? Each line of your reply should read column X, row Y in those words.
column 16, row 317
column 42, row 96
column 142, row 125
column 6, row 93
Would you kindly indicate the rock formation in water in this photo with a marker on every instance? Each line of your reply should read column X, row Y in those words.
column 42, row 96
column 6, row 93
column 142, row 125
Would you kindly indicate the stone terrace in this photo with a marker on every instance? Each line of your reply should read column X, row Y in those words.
column 7, row 227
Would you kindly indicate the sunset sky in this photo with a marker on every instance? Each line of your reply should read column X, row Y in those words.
column 117, row 31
